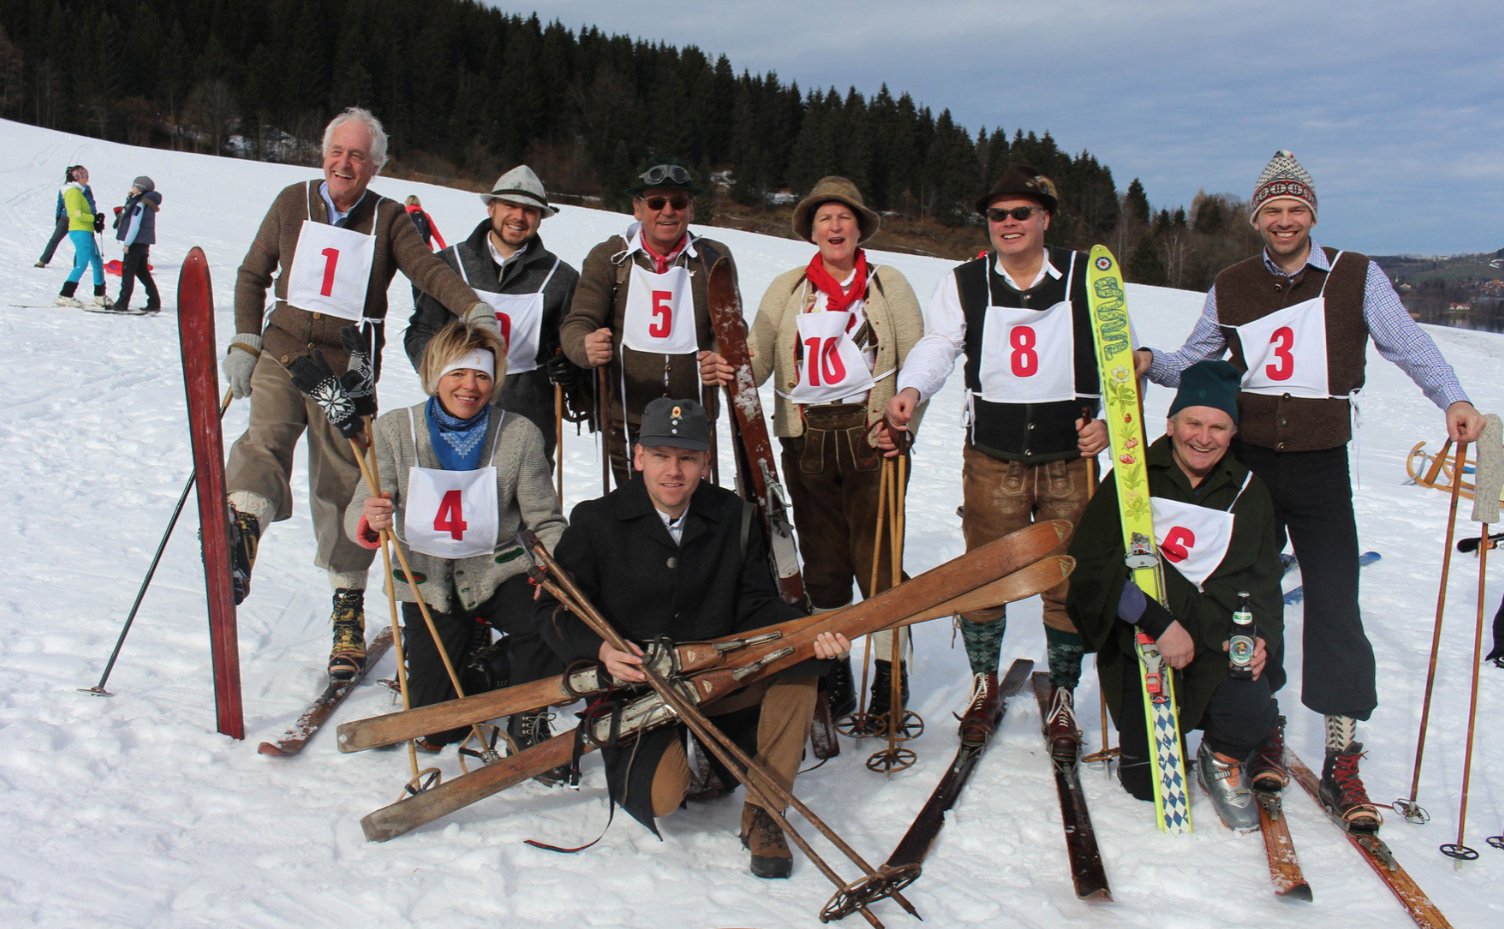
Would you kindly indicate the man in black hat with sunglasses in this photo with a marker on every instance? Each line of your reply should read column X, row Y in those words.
column 1019, row 314
column 641, row 312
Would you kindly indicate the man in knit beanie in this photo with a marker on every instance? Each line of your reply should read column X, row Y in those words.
column 1296, row 321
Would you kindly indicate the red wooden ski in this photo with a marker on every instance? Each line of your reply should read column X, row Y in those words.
column 201, row 380
column 756, row 469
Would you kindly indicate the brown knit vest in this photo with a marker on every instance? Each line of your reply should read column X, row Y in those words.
column 1248, row 291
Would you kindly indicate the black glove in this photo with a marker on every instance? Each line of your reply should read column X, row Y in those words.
column 359, row 380
column 312, row 375
column 98, row 222
column 563, row 372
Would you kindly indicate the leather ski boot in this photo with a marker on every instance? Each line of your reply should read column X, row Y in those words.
column 880, row 707
column 981, row 710
column 348, row 655
column 1060, row 729
column 761, row 836
column 529, row 729
column 1343, row 795
column 245, row 537
column 1266, row 769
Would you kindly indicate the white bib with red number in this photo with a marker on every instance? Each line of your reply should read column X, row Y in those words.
column 660, row 313
column 451, row 514
column 331, row 270
column 1286, row 350
column 833, row 368
column 520, row 317
column 1192, row 539
column 1028, row 356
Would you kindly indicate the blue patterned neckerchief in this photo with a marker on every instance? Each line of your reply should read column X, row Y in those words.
column 457, row 442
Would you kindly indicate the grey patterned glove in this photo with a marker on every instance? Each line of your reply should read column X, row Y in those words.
column 482, row 316
column 240, row 361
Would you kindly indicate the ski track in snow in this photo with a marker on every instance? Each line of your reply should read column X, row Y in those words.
column 131, row 812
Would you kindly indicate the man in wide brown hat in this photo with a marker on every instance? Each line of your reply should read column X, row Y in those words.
column 864, row 318
column 641, row 311
column 1019, row 314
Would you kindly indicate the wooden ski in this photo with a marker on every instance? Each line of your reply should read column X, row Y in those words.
column 1284, row 866
column 1081, row 848
column 326, row 703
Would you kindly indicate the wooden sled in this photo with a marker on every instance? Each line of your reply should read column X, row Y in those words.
column 1436, row 470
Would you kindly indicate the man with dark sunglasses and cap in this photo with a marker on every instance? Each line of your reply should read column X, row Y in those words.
column 1296, row 321
column 640, row 311
column 669, row 555
column 1019, row 315
column 530, row 288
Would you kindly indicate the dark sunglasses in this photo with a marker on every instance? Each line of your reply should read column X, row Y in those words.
column 657, row 203
column 1019, row 213
column 660, row 173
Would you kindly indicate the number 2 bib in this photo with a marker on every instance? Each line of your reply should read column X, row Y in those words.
column 451, row 514
column 520, row 317
column 331, row 270
column 1193, row 539
column 1286, row 350
column 660, row 314
column 833, row 367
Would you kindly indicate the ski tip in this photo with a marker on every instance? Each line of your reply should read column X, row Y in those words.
column 272, row 748
column 1301, row 891
column 1099, row 895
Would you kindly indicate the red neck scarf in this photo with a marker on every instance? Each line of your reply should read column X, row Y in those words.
column 836, row 299
column 661, row 262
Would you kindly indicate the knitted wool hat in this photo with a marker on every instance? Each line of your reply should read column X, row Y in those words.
column 838, row 190
column 1283, row 179
column 521, row 186
column 1212, row 383
column 1022, row 181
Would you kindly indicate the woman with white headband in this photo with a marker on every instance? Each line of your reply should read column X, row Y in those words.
column 468, row 477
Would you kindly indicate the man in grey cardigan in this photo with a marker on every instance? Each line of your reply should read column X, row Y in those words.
column 529, row 288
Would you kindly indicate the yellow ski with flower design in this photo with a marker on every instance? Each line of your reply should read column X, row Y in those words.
column 1120, row 399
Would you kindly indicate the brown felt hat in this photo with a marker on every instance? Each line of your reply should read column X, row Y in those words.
column 1022, row 181
column 840, row 190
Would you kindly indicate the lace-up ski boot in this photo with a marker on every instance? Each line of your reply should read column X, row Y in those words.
column 1266, row 769
column 529, row 729
column 1060, row 729
column 245, row 537
column 880, row 707
column 348, row 655
column 1343, row 795
column 981, row 710
column 765, row 840
column 1223, row 780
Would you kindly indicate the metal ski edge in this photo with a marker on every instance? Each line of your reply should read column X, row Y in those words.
column 318, row 712
column 1087, row 874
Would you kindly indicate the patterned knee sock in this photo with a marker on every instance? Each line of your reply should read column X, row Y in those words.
column 1341, row 731
column 1065, row 651
column 984, row 643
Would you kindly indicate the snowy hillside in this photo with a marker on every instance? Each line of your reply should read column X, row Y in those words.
column 132, row 812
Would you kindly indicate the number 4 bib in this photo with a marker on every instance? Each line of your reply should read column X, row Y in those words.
column 451, row 514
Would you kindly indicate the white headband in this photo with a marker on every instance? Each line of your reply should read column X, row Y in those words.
column 481, row 359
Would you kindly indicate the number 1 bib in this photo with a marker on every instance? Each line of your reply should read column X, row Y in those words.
column 451, row 514
column 1286, row 350
column 660, row 313
column 331, row 270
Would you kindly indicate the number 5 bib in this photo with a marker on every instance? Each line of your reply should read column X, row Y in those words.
column 1286, row 350
column 451, row 514
column 331, row 270
column 660, row 314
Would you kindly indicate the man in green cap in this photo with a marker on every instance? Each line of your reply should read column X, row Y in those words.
column 640, row 311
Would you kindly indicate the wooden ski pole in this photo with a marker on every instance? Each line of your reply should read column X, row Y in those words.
column 559, row 439
column 1489, row 481
column 1408, row 807
column 855, row 725
column 1108, row 752
column 603, row 425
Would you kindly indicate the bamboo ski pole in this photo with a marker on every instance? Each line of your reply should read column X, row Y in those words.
column 559, row 440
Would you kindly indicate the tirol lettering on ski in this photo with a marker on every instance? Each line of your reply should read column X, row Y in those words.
column 1120, row 398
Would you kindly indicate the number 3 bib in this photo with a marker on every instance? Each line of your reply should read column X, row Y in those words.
column 331, row 270
column 451, row 514
column 660, row 316
column 1286, row 350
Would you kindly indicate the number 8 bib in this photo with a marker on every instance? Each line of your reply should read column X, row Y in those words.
column 1028, row 356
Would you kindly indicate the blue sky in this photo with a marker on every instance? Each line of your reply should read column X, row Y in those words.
column 1396, row 108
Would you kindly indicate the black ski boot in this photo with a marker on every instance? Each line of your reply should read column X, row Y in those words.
column 529, row 729
column 1266, row 769
column 880, row 706
column 1343, row 795
column 245, row 536
column 348, row 655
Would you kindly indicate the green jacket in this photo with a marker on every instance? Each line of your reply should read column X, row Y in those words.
column 1251, row 564
column 80, row 214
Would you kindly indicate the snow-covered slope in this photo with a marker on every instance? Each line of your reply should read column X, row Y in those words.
column 132, row 812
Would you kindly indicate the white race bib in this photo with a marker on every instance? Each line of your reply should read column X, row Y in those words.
column 1192, row 539
column 833, row 368
column 1028, row 356
column 520, row 317
column 1286, row 351
column 660, row 313
column 451, row 514
column 331, row 270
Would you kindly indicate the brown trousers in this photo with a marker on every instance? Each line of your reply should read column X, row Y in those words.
column 788, row 707
column 833, row 475
column 261, row 462
column 1006, row 496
